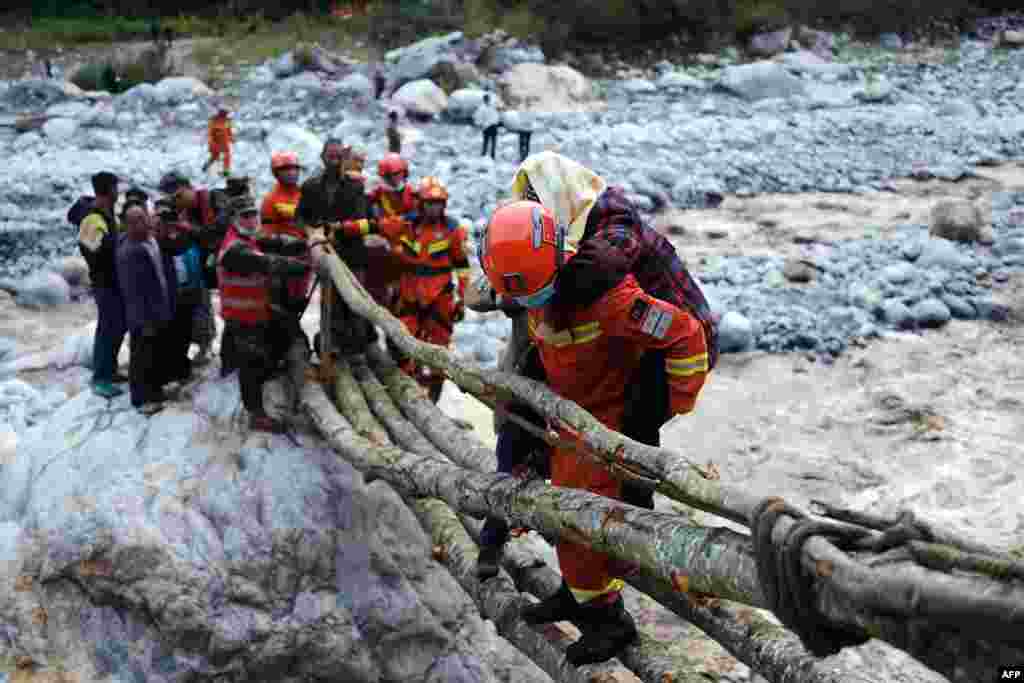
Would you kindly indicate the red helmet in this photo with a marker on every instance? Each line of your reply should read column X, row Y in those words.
column 432, row 190
column 392, row 164
column 521, row 252
column 279, row 160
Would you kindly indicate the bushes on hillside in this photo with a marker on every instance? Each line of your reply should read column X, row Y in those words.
column 151, row 66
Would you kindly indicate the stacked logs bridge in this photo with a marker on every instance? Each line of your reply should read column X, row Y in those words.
column 835, row 579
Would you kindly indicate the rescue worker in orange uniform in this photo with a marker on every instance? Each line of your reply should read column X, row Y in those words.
column 432, row 246
column 220, row 137
column 589, row 351
column 259, row 341
column 393, row 196
column 278, row 210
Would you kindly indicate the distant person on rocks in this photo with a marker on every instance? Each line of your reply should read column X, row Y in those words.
column 380, row 83
column 147, row 280
column 220, row 137
column 176, row 240
column 394, row 135
column 488, row 120
column 519, row 122
column 97, row 240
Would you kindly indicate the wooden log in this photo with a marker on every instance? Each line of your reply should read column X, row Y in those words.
column 497, row 600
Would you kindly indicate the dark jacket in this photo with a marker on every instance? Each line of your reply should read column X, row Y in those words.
column 145, row 301
column 348, row 203
column 97, row 241
column 617, row 242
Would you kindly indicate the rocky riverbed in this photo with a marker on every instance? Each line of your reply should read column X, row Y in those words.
column 872, row 363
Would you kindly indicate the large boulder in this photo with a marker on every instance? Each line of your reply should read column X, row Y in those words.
column 958, row 220
column 357, row 85
column 303, row 142
column 355, row 130
column 769, row 44
column 286, row 65
column 504, row 57
column 414, row 62
column 178, row 89
column 60, row 129
column 36, row 94
column 74, row 270
column 539, row 87
column 760, row 81
column 677, row 80
column 180, row 547
column 422, row 98
column 43, row 290
column 463, row 103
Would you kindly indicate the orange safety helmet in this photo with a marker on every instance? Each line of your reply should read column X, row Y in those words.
column 280, row 160
column 432, row 190
column 521, row 252
column 392, row 163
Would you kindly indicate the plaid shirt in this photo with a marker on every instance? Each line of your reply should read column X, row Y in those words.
column 617, row 242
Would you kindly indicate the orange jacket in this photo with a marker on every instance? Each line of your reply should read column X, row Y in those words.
column 219, row 132
column 429, row 252
column 590, row 357
column 278, row 211
column 387, row 202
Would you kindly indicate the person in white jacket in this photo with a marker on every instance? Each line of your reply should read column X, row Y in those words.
column 487, row 118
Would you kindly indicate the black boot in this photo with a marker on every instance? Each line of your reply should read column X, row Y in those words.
column 489, row 562
column 607, row 629
column 561, row 606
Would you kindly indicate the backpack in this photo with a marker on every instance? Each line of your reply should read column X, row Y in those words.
column 80, row 209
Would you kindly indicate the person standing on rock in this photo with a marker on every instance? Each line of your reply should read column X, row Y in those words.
column 486, row 118
column 432, row 246
column 195, row 206
column 147, row 279
column 328, row 199
column 589, row 350
column 97, row 240
column 394, row 196
column 606, row 240
column 176, row 240
column 245, row 273
column 394, row 135
column 521, row 123
column 220, row 137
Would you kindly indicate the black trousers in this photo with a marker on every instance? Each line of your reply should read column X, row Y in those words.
column 491, row 138
column 145, row 374
column 524, row 145
column 258, row 351
column 647, row 409
column 177, row 365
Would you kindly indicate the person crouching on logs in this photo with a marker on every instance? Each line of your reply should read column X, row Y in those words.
column 245, row 273
column 588, row 352
column 432, row 246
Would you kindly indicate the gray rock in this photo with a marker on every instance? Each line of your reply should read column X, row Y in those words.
column 8, row 347
column 875, row 92
column 303, row 142
column 415, row 61
column 941, row 253
column 422, row 97
column 638, row 86
column 43, row 290
column 735, row 333
column 255, row 557
column 959, row 307
column 60, row 129
column 896, row 314
column 677, row 80
column 357, row 85
column 286, row 65
column 890, row 41
column 1008, row 246
column 179, row 89
column 899, row 273
column 990, row 310
column 931, row 313
column 957, row 219
column 463, row 103
column 34, row 94
column 307, row 80
column 796, row 270
column 504, row 58
column 957, row 109
column 911, row 249
column 760, row 80
column 770, row 43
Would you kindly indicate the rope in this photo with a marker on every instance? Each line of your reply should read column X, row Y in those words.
column 787, row 587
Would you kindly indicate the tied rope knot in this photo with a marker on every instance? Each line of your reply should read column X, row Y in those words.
column 789, row 588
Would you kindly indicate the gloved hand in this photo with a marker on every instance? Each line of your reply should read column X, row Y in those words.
column 358, row 227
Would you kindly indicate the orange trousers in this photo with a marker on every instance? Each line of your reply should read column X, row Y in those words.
column 433, row 325
column 219, row 152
